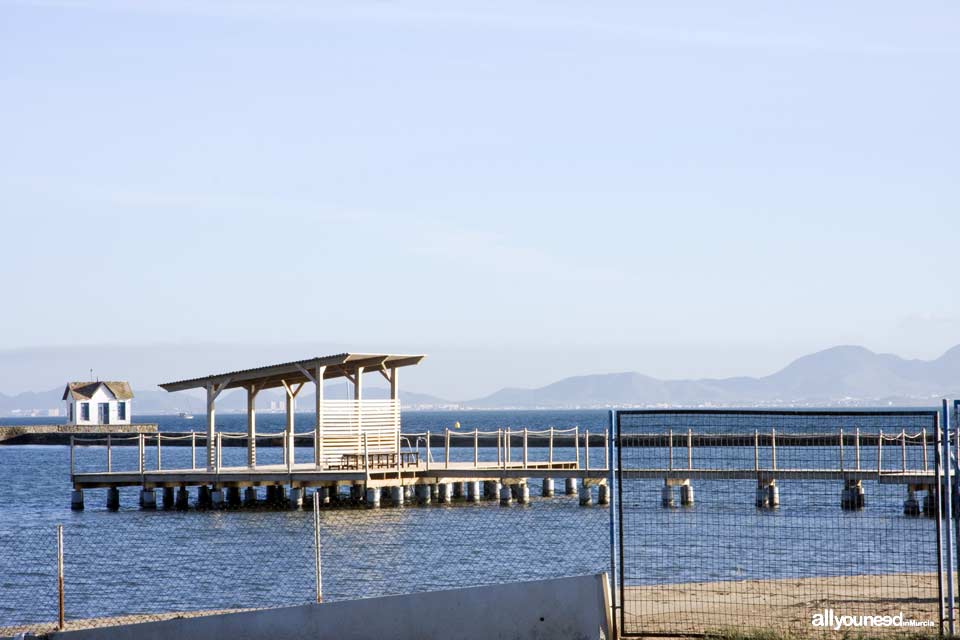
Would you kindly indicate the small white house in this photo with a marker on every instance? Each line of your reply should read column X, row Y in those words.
column 98, row 402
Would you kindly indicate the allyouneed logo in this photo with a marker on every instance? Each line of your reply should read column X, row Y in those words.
column 827, row 618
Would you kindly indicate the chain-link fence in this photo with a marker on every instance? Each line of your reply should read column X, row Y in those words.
column 798, row 522
column 142, row 565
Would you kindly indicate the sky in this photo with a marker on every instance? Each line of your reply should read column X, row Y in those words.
column 523, row 190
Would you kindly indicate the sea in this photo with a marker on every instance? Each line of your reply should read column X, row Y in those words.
column 136, row 562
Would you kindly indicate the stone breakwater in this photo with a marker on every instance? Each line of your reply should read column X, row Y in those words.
column 60, row 433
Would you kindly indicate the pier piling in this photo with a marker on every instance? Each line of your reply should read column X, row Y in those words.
column 203, row 497
column 773, row 495
column 373, row 497
column 458, row 490
column 666, row 495
column 603, row 494
column 434, row 492
column 444, row 493
column 183, row 499
column 473, row 491
column 76, row 500
column 250, row 496
column 570, row 486
column 523, row 493
column 168, row 497
column 911, row 507
column 113, row 498
column 296, row 497
column 216, row 498
column 148, row 499
column 686, row 494
column 761, row 500
column 491, row 490
column 929, row 503
column 586, row 496
column 506, row 495
column 396, row 496
column 422, row 492
column 547, row 490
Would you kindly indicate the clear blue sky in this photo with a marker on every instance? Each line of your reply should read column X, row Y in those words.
column 682, row 189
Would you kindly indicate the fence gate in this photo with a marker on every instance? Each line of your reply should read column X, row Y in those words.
column 794, row 521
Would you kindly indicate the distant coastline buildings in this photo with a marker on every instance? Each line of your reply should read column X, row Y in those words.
column 99, row 402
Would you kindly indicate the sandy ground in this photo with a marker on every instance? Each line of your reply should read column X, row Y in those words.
column 93, row 623
column 787, row 605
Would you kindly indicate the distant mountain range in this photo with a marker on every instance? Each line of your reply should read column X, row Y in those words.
column 846, row 375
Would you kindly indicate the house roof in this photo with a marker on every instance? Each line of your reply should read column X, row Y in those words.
column 85, row 390
column 336, row 366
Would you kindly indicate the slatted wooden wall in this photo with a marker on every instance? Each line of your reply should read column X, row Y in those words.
column 344, row 422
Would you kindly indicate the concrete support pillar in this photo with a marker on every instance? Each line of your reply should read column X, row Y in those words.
column 851, row 498
column 444, row 492
column 434, row 493
column 929, row 503
column 203, row 497
column 325, row 494
column 570, row 486
column 523, row 493
column 773, row 495
column 603, row 494
column 506, row 495
column 761, row 500
column 216, row 498
column 473, row 491
column 666, row 496
column 458, row 490
column 547, row 490
column 233, row 496
column 357, row 492
column 76, row 500
column 168, row 497
column 183, row 499
column 250, row 496
column 113, row 498
column 148, row 498
column 911, row 507
column 491, row 489
column 396, row 496
column 373, row 497
column 586, row 496
column 422, row 493
column 686, row 494
column 296, row 497
column 408, row 493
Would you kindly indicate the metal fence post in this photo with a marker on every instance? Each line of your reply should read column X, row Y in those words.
column 614, row 506
column 948, row 513
column 316, row 544
column 60, row 612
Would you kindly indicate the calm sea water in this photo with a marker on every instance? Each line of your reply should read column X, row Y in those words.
column 152, row 561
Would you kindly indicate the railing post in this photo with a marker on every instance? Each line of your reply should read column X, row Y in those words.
column 903, row 450
column 140, row 452
column 159, row 462
column 476, row 448
column 524, row 447
column 576, row 444
column 773, row 447
column 880, row 452
column 756, row 450
column 841, row 449
column 446, row 450
column 506, row 448
column 220, row 450
column 669, row 450
column 428, row 450
column 924, row 434
column 60, row 611
column 71, row 457
column 586, row 447
column 606, row 448
column 193, row 449
column 366, row 456
column 550, row 450
column 856, row 446
column 689, row 448
column 109, row 454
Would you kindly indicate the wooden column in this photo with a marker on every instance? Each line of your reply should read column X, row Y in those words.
column 288, row 440
column 358, row 398
column 213, row 390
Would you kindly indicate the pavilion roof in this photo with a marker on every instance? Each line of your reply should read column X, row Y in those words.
column 275, row 375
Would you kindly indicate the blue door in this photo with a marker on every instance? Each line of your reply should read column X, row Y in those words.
column 104, row 409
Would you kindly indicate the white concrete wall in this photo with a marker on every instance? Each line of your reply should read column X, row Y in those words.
column 564, row 608
column 101, row 395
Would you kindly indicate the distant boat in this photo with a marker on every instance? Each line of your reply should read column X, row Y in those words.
column 185, row 415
